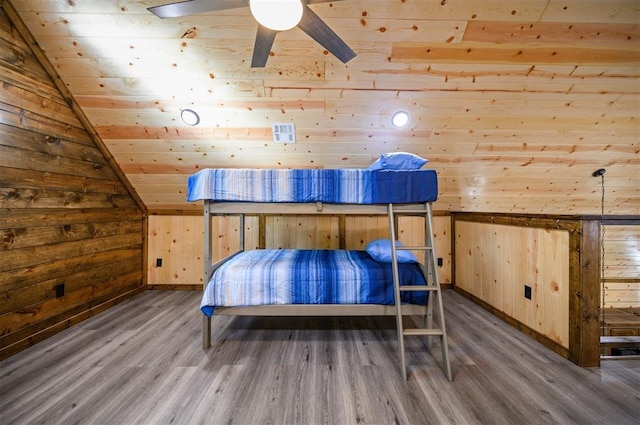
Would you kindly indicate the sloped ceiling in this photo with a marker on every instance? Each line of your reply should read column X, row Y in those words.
column 515, row 103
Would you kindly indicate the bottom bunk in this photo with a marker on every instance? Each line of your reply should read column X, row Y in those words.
column 308, row 277
column 297, row 282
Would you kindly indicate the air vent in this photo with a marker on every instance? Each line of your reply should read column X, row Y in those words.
column 284, row 132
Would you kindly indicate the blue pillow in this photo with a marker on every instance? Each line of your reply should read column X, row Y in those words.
column 398, row 161
column 380, row 250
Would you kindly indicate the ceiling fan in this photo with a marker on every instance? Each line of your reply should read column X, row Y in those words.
column 264, row 10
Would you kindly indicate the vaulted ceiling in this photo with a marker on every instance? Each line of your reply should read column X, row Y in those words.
column 515, row 103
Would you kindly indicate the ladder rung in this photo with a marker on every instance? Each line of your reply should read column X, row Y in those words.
column 408, row 211
column 418, row 288
column 417, row 248
column 422, row 332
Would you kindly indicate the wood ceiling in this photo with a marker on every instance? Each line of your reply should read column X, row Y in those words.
column 515, row 103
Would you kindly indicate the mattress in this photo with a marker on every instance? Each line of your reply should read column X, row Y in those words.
column 338, row 186
column 298, row 276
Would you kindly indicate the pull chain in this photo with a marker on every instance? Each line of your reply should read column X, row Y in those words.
column 600, row 173
column 602, row 238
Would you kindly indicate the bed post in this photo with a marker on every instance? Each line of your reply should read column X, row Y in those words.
column 241, row 233
column 396, row 289
column 206, row 331
column 208, row 259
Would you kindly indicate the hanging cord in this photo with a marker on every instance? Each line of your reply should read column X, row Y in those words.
column 600, row 172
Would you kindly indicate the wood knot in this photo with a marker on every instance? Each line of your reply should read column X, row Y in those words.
column 8, row 238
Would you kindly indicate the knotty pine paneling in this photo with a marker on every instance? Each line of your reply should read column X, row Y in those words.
column 302, row 232
column 71, row 234
column 179, row 240
column 422, row 52
column 364, row 229
column 514, row 103
column 593, row 34
column 495, row 262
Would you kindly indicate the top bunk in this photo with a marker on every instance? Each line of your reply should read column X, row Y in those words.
column 398, row 180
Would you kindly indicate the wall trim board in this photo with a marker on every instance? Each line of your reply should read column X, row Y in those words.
column 622, row 280
column 176, row 212
column 529, row 219
column 584, row 295
column 558, row 222
column 172, row 287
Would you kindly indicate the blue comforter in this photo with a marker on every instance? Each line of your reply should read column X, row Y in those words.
column 338, row 186
column 295, row 276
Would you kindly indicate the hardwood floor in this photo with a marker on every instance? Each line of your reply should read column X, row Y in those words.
column 141, row 362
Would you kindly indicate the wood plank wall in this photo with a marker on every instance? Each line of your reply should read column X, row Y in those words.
column 71, row 233
column 621, row 266
column 515, row 103
column 178, row 240
column 496, row 262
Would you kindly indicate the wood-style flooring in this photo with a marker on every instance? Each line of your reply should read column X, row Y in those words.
column 141, row 362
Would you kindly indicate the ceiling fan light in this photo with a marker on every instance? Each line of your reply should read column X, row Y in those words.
column 278, row 15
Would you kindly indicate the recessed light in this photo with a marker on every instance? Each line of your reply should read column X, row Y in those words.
column 400, row 119
column 190, row 117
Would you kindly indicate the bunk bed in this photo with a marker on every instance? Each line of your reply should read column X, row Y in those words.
column 296, row 282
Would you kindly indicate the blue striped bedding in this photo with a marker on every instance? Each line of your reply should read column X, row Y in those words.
column 297, row 276
column 338, row 186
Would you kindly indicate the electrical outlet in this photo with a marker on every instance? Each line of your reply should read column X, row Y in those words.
column 527, row 292
column 59, row 290
column 158, row 262
column 440, row 262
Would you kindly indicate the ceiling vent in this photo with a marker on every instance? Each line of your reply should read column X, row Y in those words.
column 284, row 132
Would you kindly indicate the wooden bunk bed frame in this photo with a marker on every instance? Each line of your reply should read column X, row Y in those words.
column 431, row 327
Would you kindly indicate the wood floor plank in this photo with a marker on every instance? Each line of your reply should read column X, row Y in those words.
column 141, row 362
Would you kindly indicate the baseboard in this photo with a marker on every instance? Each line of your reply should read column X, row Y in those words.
column 542, row 339
column 175, row 287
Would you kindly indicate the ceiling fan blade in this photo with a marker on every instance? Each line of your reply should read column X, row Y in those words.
column 262, row 46
column 190, row 7
column 317, row 29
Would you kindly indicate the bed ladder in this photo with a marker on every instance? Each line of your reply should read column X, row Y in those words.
column 434, row 305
